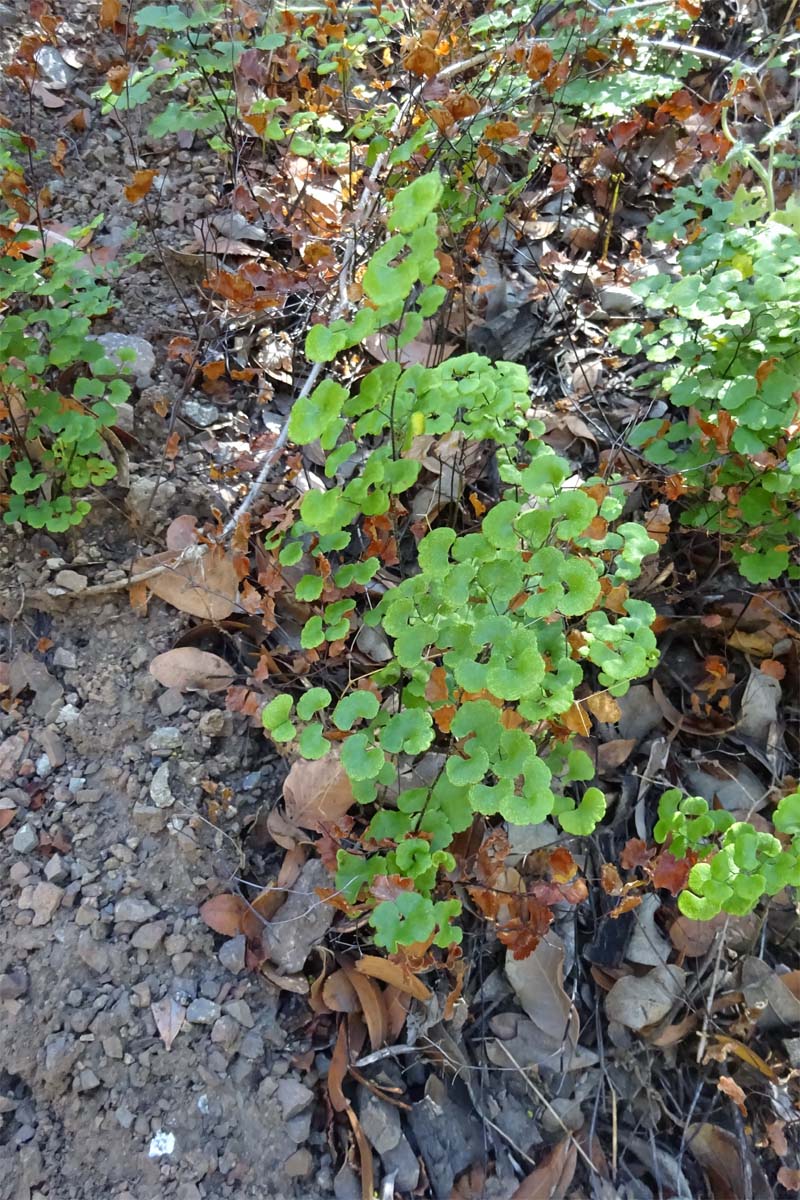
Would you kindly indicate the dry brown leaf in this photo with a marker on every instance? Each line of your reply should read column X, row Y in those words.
column 140, row 185
column 730, row 1088
column 397, row 1004
column 169, row 1017
column 613, row 754
column 206, row 587
column 553, row 1176
column 604, row 707
column 339, row 993
column 576, row 720
column 371, row 1001
column 776, row 1132
column 283, row 832
column 182, row 532
column 109, row 13
column 394, row 974
column 317, row 794
column 364, row 1156
column 298, row 984
column 789, row 1177
column 720, row 1154
column 229, row 915
column 538, row 983
column 191, row 670
column 337, row 1071
column 695, row 938
column 6, row 817
column 731, row 1045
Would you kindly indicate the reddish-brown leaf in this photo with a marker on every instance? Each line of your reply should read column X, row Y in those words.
column 339, row 993
column 394, row 974
column 317, row 793
column 635, row 853
column 670, row 873
column 109, row 13
column 562, row 866
column 610, row 879
column 730, row 1088
column 421, row 60
column 371, row 1000
column 338, row 1071
column 540, row 60
column 552, row 1178
column 117, row 77
column 6, row 817
column 140, row 185
column 229, row 915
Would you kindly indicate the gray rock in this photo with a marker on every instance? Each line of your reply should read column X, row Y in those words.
column 8, row 18
column 225, row 1033
column 240, row 1011
column 14, row 984
column 298, row 1129
column 59, row 1058
column 617, row 300
column 43, row 766
column 347, row 1185
column 93, row 953
column 380, row 1121
column 232, row 952
column 402, row 1159
column 124, row 1116
column 56, row 870
column 45, row 901
column 640, row 713
column 134, row 910
column 149, row 502
column 141, row 366
column 170, row 702
column 87, row 1081
column 65, row 658
column 112, row 1045
column 234, row 225
column 299, row 1165
column 252, row 1047
column 304, row 920
column 293, row 1097
column 148, row 819
column 202, row 1012
column 71, row 581
column 212, row 724
column 164, row 740
column 203, row 415
column 25, row 839
column 52, row 67
column 123, row 417
column 147, row 937
column 160, row 792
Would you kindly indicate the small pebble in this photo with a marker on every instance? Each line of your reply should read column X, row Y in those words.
column 202, row 1012
column 25, row 839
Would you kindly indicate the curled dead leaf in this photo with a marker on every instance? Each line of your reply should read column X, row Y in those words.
column 191, row 670
column 371, row 1001
column 169, row 1017
column 205, row 586
column 230, row 915
column 339, row 993
column 394, row 974
column 317, row 793
column 553, row 1176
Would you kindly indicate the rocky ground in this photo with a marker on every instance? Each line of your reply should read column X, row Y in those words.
column 138, row 1059
column 103, row 959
